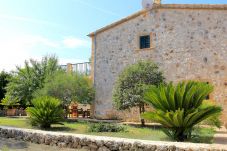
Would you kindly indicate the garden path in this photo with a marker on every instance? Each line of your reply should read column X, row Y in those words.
column 13, row 145
column 221, row 136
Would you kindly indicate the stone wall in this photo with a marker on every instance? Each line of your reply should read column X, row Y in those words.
column 98, row 143
column 189, row 42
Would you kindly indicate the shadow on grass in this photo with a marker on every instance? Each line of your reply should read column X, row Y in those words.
column 56, row 128
column 59, row 128
column 154, row 127
column 199, row 134
column 202, row 139
column 63, row 127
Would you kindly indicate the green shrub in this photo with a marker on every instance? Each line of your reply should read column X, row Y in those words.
column 133, row 82
column 106, row 127
column 25, row 81
column 46, row 111
column 4, row 80
column 179, row 108
column 213, row 120
column 68, row 88
column 202, row 135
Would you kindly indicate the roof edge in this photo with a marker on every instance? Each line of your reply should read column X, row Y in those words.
column 161, row 6
column 117, row 22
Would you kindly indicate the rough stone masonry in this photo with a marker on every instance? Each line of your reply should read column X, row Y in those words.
column 100, row 143
column 188, row 42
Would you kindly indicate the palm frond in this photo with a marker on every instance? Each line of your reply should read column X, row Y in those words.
column 180, row 107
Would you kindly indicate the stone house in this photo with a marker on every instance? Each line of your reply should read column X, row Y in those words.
column 187, row 41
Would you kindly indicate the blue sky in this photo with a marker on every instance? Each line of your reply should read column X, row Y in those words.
column 34, row 28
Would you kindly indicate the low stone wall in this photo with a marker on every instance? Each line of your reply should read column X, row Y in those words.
column 100, row 143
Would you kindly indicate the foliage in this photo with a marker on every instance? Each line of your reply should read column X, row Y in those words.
column 132, row 83
column 4, row 80
column 212, row 120
column 106, row 127
column 202, row 135
column 130, row 86
column 46, row 111
column 179, row 108
column 31, row 78
column 9, row 102
column 68, row 87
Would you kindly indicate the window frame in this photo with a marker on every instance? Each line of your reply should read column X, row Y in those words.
column 138, row 41
column 145, row 42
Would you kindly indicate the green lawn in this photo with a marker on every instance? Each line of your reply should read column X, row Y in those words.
column 203, row 135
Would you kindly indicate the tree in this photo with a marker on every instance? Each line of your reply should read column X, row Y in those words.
column 27, row 80
column 132, row 82
column 68, row 87
column 46, row 111
column 179, row 108
column 4, row 80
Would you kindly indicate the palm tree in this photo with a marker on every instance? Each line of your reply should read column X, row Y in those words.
column 179, row 108
column 46, row 111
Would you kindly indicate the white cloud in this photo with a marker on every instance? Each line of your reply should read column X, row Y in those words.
column 27, row 19
column 72, row 42
column 14, row 50
column 27, row 41
column 45, row 41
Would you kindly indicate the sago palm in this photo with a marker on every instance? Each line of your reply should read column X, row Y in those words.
column 179, row 108
column 46, row 111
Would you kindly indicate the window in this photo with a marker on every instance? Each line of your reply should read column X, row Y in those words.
column 145, row 42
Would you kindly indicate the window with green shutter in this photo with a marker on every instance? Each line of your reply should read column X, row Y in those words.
column 145, row 42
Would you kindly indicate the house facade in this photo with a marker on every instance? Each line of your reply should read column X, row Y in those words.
column 188, row 42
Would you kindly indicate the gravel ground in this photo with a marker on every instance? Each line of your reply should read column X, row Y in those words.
column 221, row 136
column 13, row 145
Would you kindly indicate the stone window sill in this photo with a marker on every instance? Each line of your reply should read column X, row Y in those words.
column 146, row 49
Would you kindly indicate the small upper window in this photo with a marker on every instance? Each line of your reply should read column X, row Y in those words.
column 145, row 42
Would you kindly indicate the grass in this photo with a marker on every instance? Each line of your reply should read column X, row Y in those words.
column 14, row 122
column 205, row 135
column 201, row 135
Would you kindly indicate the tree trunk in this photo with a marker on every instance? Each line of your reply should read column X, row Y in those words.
column 142, row 110
column 65, row 108
column 181, row 137
column 45, row 126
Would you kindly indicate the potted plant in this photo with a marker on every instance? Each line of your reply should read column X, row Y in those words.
column 10, row 105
